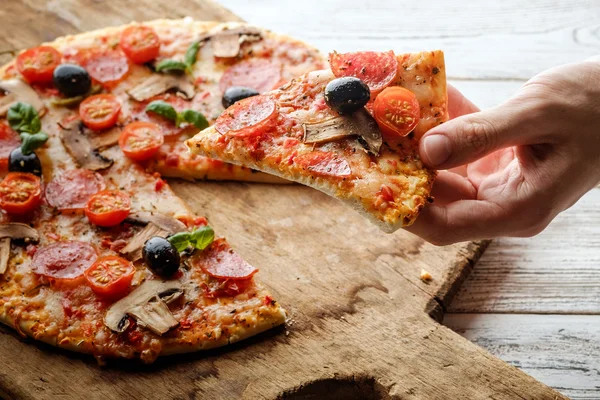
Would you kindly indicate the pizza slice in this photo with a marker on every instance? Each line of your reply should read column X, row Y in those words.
column 351, row 131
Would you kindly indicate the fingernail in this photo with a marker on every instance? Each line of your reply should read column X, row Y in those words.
column 437, row 149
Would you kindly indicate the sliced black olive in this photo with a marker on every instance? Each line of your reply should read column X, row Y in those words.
column 161, row 256
column 346, row 95
column 72, row 80
column 237, row 93
column 19, row 162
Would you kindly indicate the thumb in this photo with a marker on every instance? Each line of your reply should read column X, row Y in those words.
column 470, row 137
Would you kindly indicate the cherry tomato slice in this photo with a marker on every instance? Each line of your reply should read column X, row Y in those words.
column 396, row 111
column 259, row 74
column 38, row 63
column 110, row 276
column 108, row 208
column 72, row 189
column 141, row 140
column 322, row 163
column 108, row 67
column 100, row 111
column 20, row 193
column 140, row 43
column 221, row 262
column 376, row 69
column 9, row 140
column 247, row 117
column 63, row 260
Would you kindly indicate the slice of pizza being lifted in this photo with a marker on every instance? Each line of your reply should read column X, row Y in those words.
column 351, row 131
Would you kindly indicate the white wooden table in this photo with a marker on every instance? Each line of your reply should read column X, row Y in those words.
column 532, row 302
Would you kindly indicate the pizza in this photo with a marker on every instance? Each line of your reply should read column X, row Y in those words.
column 350, row 131
column 97, row 253
column 142, row 64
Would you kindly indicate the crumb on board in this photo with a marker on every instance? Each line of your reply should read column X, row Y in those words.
column 426, row 276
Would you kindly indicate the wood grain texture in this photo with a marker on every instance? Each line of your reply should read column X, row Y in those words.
column 561, row 348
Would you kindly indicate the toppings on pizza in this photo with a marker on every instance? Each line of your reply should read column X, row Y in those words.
column 140, row 141
column 161, row 83
column 81, row 148
column 140, row 43
column 148, row 305
column 161, row 256
column 260, row 74
column 233, row 94
column 18, row 91
column 38, row 63
column 191, row 55
column 322, row 163
column 157, row 224
column 100, row 111
column 64, row 260
column 110, row 276
column 221, row 262
column 227, row 43
column 14, row 230
column 248, row 117
column 166, row 110
column 347, row 95
column 377, row 70
column 72, row 80
column 106, row 66
column 108, row 208
column 73, row 189
column 397, row 111
column 199, row 239
column 20, row 193
column 163, row 221
column 19, row 162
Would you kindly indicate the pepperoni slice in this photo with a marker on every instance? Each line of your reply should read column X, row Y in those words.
column 376, row 69
column 247, row 117
column 108, row 67
column 221, row 262
column 9, row 140
column 259, row 74
column 72, row 190
column 324, row 164
column 64, row 260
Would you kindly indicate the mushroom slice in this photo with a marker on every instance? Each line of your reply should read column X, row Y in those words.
column 133, row 250
column 146, row 305
column 105, row 139
column 157, row 224
column 17, row 90
column 160, row 83
column 163, row 221
column 359, row 124
column 81, row 149
column 227, row 42
column 13, row 230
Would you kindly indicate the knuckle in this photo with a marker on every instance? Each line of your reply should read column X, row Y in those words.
column 479, row 136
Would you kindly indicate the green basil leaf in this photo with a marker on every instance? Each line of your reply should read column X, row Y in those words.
column 171, row 65
column 191, row 54
column 163, row 109
column 201, row 238
column 24, row 118
column 31, row 141
column 195, row 118
column 180, row 241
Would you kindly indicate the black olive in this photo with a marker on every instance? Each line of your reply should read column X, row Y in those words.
column 161, row 256
column 72, row 80
column 236, row 93
column 19, row 162
column 347, row 95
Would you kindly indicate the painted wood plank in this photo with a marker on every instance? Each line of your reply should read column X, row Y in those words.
column 487, row 39
column 560, row 350
column 556, row 272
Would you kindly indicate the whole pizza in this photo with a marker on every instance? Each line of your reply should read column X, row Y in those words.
column 97, row 253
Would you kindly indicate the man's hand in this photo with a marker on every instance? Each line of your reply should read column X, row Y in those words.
column 511, row 169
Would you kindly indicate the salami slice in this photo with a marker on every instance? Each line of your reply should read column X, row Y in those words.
column 221, row 262
column 64, row 260
column 259, row 74
column 72, row 190
column 249, row 116
column 324, row 164
column 9, row 140
column 376, row 69
column 106, row 67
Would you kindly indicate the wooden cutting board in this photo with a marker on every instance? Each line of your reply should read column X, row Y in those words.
column 363, row 325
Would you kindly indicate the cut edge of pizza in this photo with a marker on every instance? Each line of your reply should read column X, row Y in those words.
column 351, row 132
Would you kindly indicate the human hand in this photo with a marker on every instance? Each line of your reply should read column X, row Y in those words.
column 520, row 163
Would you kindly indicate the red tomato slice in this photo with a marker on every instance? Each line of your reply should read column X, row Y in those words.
column 140, row 43
column 324, row 164
column 141, row 140
column 397, row 111
column 109, row 67
column 259, row 74
column 9, row 140
column 37, row 64
column 108, row 208
column 376, row 69
column 248, row 117
column 221, row 262
column 20, row 193
column 63, row 260
column 110, row 276
column 100, row 111
column 72, row 190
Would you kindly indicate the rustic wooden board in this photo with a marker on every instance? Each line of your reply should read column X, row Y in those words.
column 360, row 326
